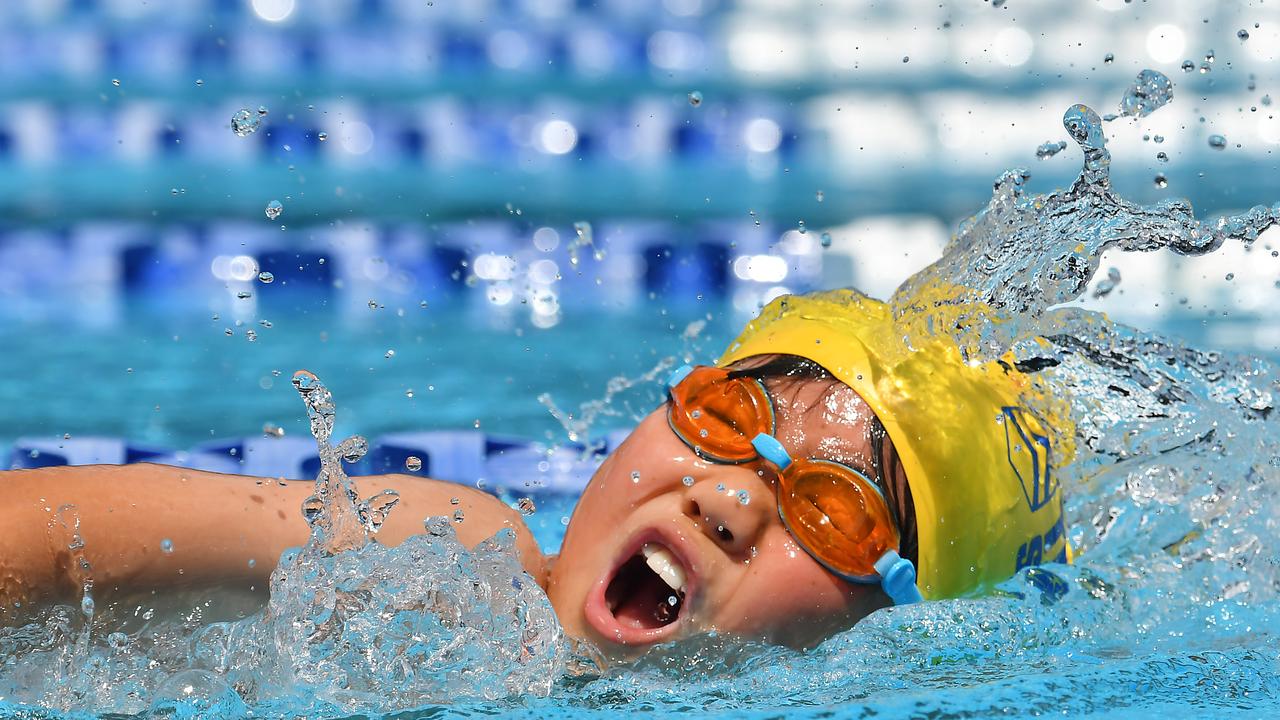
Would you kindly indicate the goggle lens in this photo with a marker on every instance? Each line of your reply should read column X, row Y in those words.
column 718, row 415
column 837, row 515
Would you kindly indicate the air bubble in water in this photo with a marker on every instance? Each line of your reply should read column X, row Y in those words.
column 1242, row 34
column 820, row 195
column 166, row 546
column 1161, row 181
column 1188, row 66
column 322, row 136
column 1217, row 142
column 802, row 228
column 115, row 81
column 274, row 208
column 245, row 122
column 266, row 278
column 413, row 463
column 695, row 98
column 458, row 515
column 1162, row 156
column 1150, row 91
column 272, row 430
column 744, row 497
column 526, row 506
column 825, row 239
column 687, row 480
column 1109, row 58
column 244, row 295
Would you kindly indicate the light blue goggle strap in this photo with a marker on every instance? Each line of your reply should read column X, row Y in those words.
column 678, row 375
column 898, row 578
column 770, row 449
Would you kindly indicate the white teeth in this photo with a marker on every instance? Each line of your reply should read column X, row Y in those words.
column 661, row 562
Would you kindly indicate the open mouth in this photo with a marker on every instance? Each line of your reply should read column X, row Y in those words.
column 648, row 590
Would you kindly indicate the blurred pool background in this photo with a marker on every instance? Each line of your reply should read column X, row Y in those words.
column 433, row 160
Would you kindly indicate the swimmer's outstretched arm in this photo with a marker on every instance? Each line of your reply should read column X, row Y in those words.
column 222, row 529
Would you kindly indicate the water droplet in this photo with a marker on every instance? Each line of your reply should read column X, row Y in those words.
column 1107, row 284
column 826, row 239
column 1188, row 66
column 322, row 136
column 262, row 110
column 1242, row 34
column 1162, row 156
column 199, row 82
column 820, row 195
column 252, row 562
column 635, row 476
column 1217, row 142
column 251, row 335
column 906, row 59
column 1109, row 58
column 87, row 605
column 702, row 432
column 1150, row 91
column 272, row 430
column 115, row 81
column 245, row 122
column 274, row 208
column 389, row 354
column 266, row 278
column 166, row 546
column 1049, row 149
column 744, row 497
column 526, row 506
column 687, row 480
column 1230, row 277
column 244, row 295
column 695, row 98
column 1209, row 57
column 1161, row 181
column 353, row 448
column 312, row 508
column 802, row 228
column 458, row 515
column 695, row 414
column 413, row 463
column 454, row 501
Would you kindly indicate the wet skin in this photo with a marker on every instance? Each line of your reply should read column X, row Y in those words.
column 743, row 572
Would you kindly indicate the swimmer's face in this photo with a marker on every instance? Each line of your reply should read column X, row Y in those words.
column 713, row 534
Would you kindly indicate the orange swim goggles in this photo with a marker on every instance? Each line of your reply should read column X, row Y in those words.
column 834, row 512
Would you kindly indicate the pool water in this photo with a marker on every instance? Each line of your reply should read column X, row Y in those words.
column 1170, row 607
column 177, row 379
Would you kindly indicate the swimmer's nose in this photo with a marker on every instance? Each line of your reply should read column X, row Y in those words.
column 732, row 513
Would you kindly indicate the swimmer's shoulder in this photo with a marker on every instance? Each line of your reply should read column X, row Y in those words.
column 476, row 515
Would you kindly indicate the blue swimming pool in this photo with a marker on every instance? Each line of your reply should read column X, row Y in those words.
column 491, row 226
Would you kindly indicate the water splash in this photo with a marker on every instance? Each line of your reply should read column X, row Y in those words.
column 1023, row 254
column 615, row 402
column 351, row 625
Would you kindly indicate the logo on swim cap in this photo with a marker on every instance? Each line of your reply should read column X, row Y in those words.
column 1028, row 453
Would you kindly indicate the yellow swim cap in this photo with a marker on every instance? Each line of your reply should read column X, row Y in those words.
column 981, row 467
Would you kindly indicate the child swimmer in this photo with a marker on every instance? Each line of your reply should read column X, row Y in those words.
column 821, row 471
